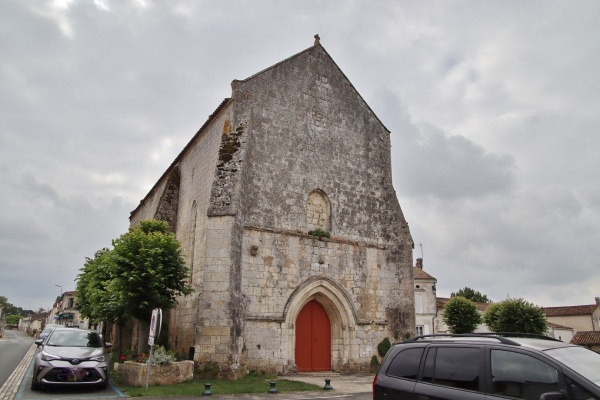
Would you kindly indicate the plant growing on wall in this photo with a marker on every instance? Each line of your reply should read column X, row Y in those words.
column 319, row 233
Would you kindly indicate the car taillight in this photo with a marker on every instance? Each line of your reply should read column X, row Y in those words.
column 374, row 385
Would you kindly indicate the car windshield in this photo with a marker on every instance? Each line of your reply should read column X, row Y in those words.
column 67, row 338
column 579, row 359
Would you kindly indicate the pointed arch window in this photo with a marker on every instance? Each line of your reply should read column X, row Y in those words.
column 318, row 211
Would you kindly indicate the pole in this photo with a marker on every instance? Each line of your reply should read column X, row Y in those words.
column 149, row 365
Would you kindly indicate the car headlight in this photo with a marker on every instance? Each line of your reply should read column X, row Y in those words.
column 100, row 358
column 49, row 357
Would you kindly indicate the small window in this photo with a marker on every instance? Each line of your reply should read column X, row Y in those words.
column 456, row 367
column 318, row 211
column 419, row 330
column 406, row 364
column 520, row 376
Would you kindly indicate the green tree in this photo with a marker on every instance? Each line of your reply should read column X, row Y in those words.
column 11, row 309
column 471, row 294
column 148, row 270
column 461, row 315
column 94, row 294
column 515, row 315
column 12, row 319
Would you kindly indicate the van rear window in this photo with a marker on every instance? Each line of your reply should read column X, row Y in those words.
column 406, row 364
column 456, row 367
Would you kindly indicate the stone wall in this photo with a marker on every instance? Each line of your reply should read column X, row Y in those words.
column 295, row 149
column 196, row 165
column 135, row 374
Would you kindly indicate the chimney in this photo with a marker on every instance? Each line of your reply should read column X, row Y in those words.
column 419, row 263
column 598, row 301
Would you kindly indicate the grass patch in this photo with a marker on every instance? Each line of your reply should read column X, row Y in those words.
column 249, row 384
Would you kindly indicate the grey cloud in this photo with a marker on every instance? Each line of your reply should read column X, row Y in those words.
column 429, row 162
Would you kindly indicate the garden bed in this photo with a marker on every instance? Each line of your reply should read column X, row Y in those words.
column 134, row 373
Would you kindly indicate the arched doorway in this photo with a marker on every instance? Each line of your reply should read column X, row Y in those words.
column 313, row 339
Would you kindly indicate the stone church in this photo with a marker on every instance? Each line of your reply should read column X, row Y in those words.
column 299, row 253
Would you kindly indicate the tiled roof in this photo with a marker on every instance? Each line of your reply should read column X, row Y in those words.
column 586, row 338
column 569, row 310
column 39, row 316
column 418, row 273
column 558, row 326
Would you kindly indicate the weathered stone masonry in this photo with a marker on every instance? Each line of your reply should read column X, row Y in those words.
column 295, row 149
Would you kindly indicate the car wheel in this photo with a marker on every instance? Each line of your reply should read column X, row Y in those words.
column 103, row 385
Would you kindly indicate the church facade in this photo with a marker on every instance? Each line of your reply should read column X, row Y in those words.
column 299, row 253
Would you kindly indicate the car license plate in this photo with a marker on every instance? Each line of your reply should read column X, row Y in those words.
column 75, row 374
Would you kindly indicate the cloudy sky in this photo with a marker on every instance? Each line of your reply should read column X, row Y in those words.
column 494, row 109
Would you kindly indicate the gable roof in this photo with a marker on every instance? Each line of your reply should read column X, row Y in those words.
column 569, row 311
column 558, row 326
column 586, row 338
column 319, row 46
column 418, row 273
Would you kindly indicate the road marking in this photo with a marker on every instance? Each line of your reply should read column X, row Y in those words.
column 8, row 391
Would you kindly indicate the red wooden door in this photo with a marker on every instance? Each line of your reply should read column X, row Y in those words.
column 313, row 339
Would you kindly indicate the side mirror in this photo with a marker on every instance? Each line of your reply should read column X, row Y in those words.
column 553, row 396
column 39, row 342
column 108, row 347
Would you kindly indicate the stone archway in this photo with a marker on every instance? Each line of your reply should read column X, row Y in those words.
column 340, row 312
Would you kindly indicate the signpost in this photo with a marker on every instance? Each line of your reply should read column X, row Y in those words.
column 155, row 325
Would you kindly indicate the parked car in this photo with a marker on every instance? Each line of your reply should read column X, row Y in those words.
column 71, row 356
column 487, row 366
column 47, row 329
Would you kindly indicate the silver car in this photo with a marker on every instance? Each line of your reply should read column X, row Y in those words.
column 47, row 329
column 70, row 356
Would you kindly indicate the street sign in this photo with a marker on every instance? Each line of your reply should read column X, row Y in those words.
column 155, row 325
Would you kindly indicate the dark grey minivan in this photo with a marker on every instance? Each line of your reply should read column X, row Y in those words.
column 487, row 366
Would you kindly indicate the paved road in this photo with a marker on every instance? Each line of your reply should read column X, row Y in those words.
column 17, row 385
column 13, row 346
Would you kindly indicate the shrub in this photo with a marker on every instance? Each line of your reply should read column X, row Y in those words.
column 461, row 315
column 516, row 315
column 162, row 356
column 374, row 363
column 383, row 347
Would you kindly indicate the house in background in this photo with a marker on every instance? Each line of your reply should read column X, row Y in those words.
column 65, row 313
column 429, row 309
column 560, row 332
column 425, row 300
column 563, row 322
column 36, row 323
column 581, row 318
column 589, row 339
